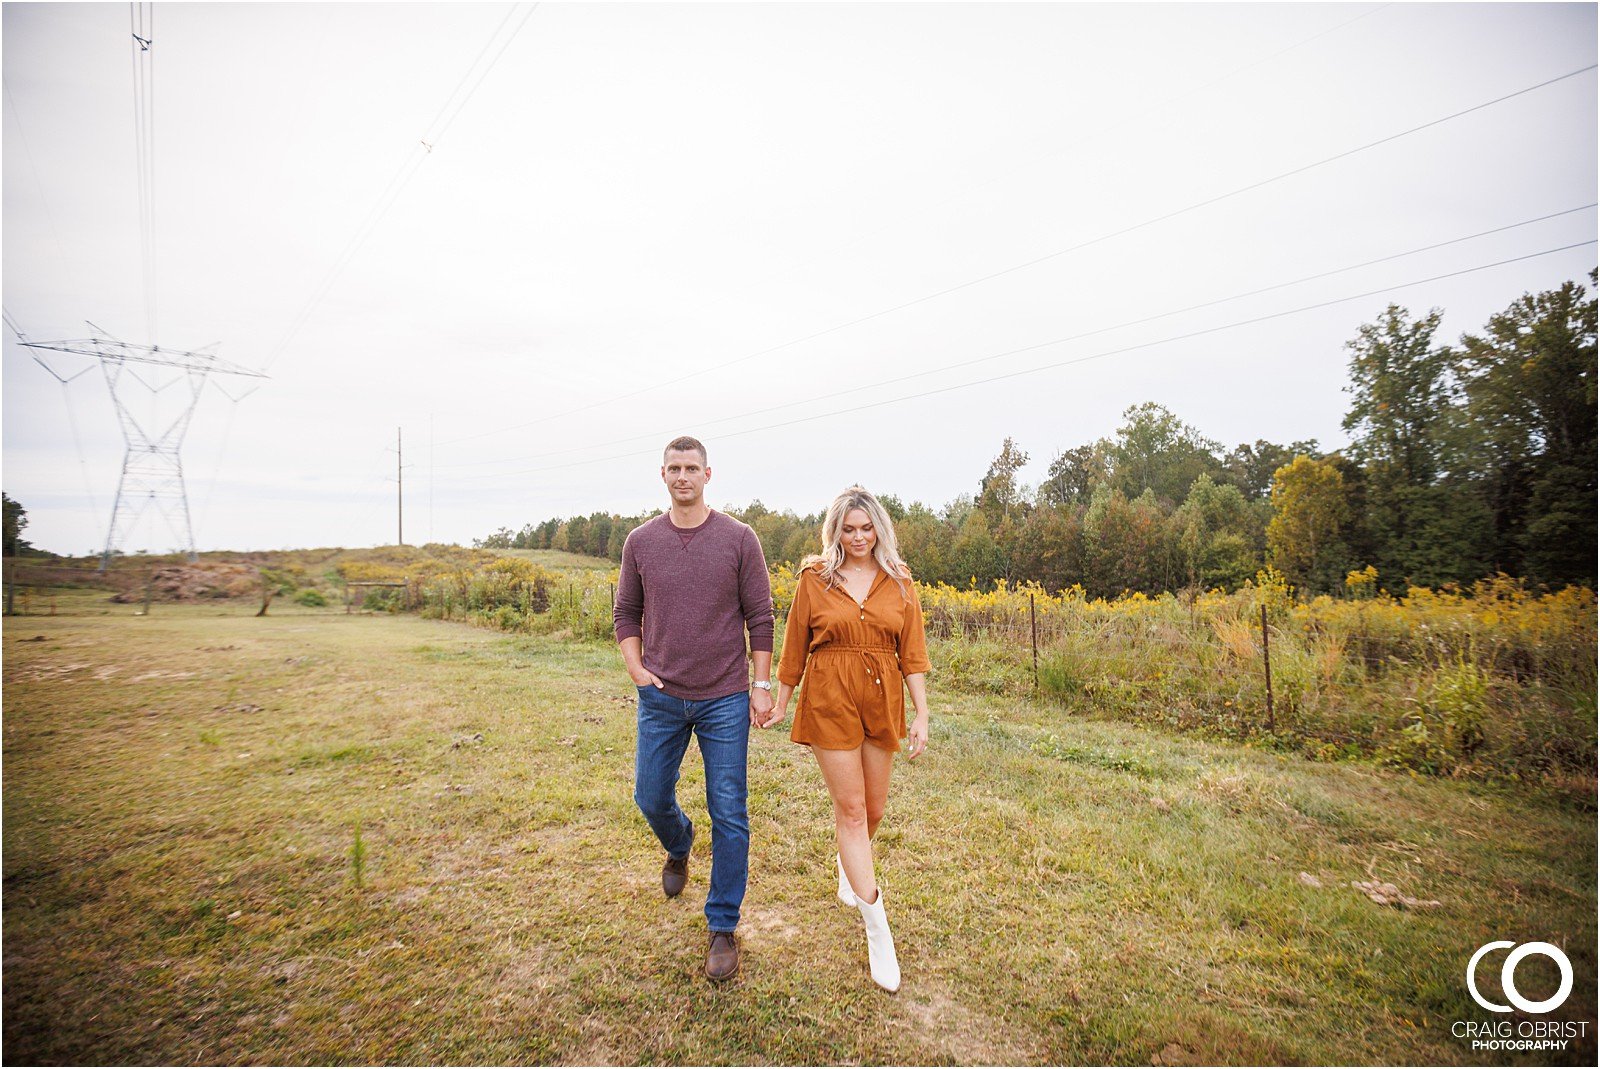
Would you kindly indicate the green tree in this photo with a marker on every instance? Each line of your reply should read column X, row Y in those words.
column 801, row 543
column 924, row 543
column 1309, row 507
column 16, row 520
column 618, row 537
column 769, row 528
column 1214, row 535
column 1000, row 494
column 1355, row 531
column 1073, row 475
column 1426, row 523
column 501, row 539
column 1530, row 384
column 1398, row 387
column 974, row 554
column 1155, row 450
column 1250, row 467
column 1049, row 548
column 577, row 530
column 599, row 539
column 1123, row 544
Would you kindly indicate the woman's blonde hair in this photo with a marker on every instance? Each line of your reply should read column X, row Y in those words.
column 886, row 551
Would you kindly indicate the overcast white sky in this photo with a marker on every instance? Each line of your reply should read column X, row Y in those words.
column 634, row 197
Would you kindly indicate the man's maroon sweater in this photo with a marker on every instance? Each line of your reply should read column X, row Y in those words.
column 690, row 594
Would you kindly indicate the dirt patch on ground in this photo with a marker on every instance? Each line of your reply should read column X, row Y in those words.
column 965, row 1035
column 195, row 582
column 763, row 927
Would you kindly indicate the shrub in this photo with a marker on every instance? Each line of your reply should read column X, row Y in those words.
column 1496, row 680
column 382, row 599
column 1460, row 700
column 279, row 582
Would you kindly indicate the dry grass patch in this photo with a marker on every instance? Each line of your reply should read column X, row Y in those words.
column 183, row 793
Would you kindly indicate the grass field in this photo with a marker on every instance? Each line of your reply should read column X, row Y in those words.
column 324, row 838
column 560, row 561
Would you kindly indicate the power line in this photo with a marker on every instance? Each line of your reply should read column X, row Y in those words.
column 1030, row 348
column 1064, row 363
column 1120, row 124
column 512, row 10
column 66, row 399
column 375, row 485
column 204, row 511
column 1195, row 206
column 433, row 139
column 33, row 166
column 77, row 444
column 418, row 154
column 1115, row 124
column 141, row 29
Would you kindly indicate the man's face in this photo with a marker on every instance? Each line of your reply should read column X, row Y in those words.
column 685, row 476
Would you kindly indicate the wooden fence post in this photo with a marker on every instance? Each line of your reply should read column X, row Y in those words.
column 1033, row 621
column 1266, row 660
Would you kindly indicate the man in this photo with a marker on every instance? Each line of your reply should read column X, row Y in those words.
column 693, row 582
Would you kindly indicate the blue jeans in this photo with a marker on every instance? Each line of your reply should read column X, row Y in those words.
column 723, row 727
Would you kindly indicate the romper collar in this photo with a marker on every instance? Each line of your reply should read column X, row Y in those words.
column 871, row 590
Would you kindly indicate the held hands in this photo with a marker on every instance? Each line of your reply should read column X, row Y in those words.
column 760, row 705
column 773, row 714
column 917, row 738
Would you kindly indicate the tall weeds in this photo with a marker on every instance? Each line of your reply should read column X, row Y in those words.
column 1495, row 680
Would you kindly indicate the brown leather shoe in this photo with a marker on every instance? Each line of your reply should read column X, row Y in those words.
column 722, row 958
column 674, row 874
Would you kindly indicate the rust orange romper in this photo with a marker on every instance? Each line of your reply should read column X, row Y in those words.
column 854, row 657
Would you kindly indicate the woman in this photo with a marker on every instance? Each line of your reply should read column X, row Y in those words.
column 855, row 635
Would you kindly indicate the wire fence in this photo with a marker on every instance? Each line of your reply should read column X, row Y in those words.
column 1499, row 680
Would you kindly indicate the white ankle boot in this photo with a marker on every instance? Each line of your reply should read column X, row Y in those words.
column 880, row 944
column 847, row 894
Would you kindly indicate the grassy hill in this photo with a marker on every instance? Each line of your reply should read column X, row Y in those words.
column 325, row 570
column 315, row 837
column 556, row 560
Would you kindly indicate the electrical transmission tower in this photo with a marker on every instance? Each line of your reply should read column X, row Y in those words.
column 152, row 467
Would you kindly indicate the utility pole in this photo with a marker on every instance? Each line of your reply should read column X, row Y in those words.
column 399, row 487
column 430, row 476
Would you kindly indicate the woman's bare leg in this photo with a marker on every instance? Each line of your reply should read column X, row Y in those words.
column 876, row 764
column 842, row 771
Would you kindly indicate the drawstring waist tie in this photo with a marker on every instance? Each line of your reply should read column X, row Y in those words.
column 866, row 652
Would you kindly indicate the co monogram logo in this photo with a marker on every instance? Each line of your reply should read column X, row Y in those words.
column 1508, row 976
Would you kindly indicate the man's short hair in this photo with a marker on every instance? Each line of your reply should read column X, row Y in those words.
column 683, row 445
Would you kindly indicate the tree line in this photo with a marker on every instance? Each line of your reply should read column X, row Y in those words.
column 16, row 521
column 1465, row 460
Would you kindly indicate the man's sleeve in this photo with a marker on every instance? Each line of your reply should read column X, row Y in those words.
column 755, row 594
column 627, row 615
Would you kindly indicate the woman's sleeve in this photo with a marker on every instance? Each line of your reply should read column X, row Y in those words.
column 796, row 634
column 913, row 637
